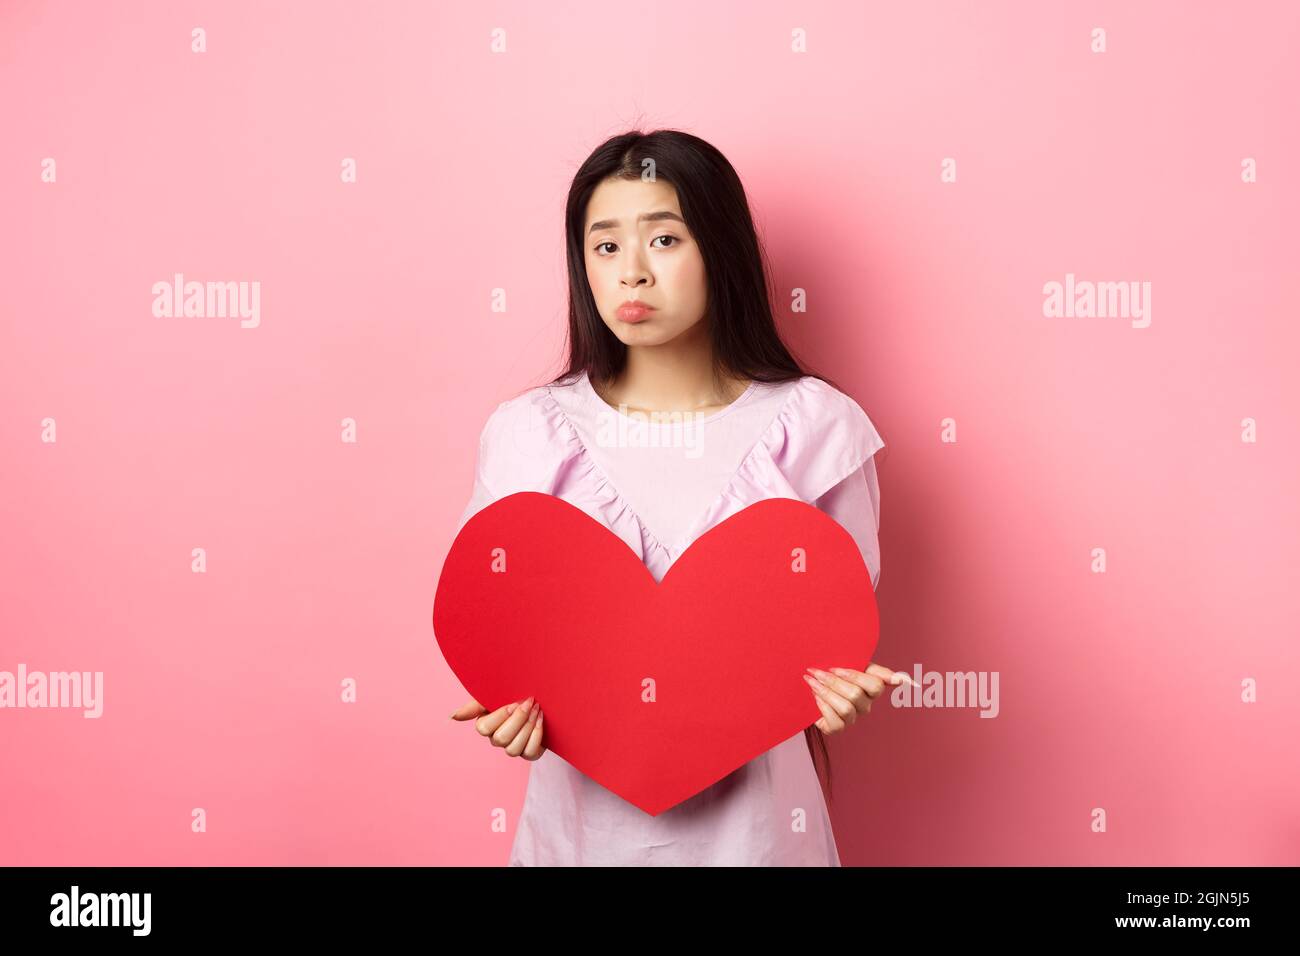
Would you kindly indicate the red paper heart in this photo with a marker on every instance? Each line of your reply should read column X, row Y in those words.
column 576, row 620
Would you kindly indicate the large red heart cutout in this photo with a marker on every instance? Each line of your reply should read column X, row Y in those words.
column 654, row 690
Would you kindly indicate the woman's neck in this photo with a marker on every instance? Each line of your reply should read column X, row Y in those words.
column 674, row 377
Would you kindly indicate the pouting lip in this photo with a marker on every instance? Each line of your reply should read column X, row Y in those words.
column 635, row 304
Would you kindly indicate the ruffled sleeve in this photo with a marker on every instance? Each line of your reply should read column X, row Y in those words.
column 518, row 450
column 855, row 504
column 821, row 437
column 820, row 449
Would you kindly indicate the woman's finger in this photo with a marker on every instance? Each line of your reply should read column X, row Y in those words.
column 471, row 708
column 848, row 713
column 505, row 734
column 830, row 722
column 535, row 748
column 488, row 723
column 849, row 684
column 869, row 682
column 890, row 677
column 516, row 746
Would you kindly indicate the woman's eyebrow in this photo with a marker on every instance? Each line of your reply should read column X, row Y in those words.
column 644, row 217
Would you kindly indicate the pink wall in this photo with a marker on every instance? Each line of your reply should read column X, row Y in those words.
column 1119, row 690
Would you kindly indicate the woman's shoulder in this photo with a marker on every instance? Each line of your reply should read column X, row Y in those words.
column 531, row 411
column 820, row 407
column 527, row 436
column 525, row 414
column 820, row 436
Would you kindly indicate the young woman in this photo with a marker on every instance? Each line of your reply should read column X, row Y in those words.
column 669, row 312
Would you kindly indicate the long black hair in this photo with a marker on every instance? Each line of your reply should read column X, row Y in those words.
column 739, row 301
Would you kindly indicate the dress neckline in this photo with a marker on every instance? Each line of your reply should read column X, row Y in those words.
column 647, row 419
column 701, row 524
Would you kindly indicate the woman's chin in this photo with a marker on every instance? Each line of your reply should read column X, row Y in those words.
column 637, row 334
column 646, row 332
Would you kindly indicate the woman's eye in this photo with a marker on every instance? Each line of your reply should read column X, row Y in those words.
column 607, row 242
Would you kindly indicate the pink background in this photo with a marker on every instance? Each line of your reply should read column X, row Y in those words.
column 222, row 690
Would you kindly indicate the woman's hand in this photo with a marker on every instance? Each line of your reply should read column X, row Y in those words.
column 517, row 728
column 843, row 694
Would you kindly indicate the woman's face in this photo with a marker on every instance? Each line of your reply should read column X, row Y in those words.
column 639, row 249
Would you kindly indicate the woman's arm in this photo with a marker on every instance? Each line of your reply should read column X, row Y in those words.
column 855, row 504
